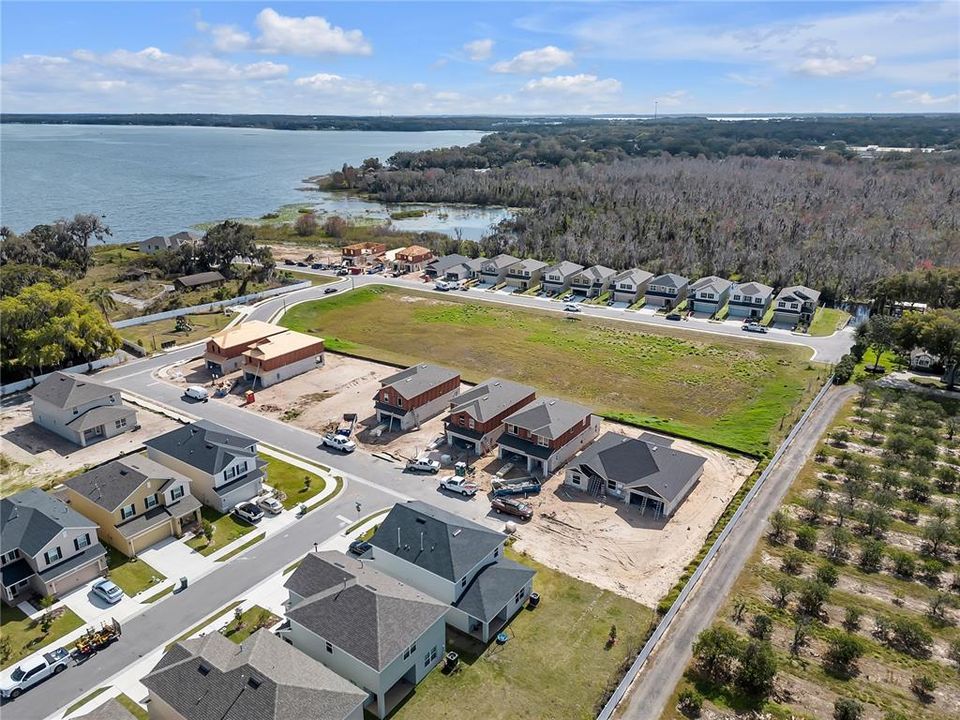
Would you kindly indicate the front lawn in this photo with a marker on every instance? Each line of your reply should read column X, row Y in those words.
column 26, row 637
column 827, row 321
column 298, row 485
column 130, row 574
column 226, row 529
column 133, row 707
column 152, row 335
column 250, row 621
column 557, row 662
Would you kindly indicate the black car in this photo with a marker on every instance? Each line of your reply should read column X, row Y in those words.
column 301, row 264
column 329, row 291
column 288, row 261
column 317, row 266
column 674, row 316
column 359, row 547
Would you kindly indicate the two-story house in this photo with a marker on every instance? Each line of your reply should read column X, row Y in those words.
column 666, row 291
column 456, row 561
column 280, row 357
column 263, row 678
column 79, row 409
column 222, row 465
column 795, row 304
column 494, row 270
column 546, row 433
column 476, row 416
column 467, row 270
column 224, row 351
column 412, row 259
column 630, row 285
column 525, row 274
column 592, row 281
column 407, row 398
column 377, row 632
column 45, row 547
column 160, row 243
column 709, row 294
column 362, row 253
column 749, row 300
column 645, row 472
column 556, row 278
column 437, row 268
column 135, row 501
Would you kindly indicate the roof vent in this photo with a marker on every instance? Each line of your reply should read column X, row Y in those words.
column 457, row 531
column 203, row 669
column 253, row 682
column 123, row 472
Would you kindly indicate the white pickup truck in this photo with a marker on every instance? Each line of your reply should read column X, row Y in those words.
column 423, row 465
column 447, row 285
column 29, row 672
column 339, row 442
column 458, row 484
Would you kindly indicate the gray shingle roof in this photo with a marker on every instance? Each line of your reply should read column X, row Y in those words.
column 442, row 264
column 365, row 613
column 753, row 289
column 110, row 710
column 103, row 415
column 204, row 445
column 670, row 280
column 31, row 519
column 548, row 417
column 798, row 293
column 564, row 268
column 418, row 379
column 66, row 390
column 198, row 279
column 492, row 588
column 110, row 484
column 598, row 272
column 451, row 545
column 499, row 262
column 634, row 275
column 264, row 678
column 490, row 398
column 719, row 285
column 638, row 463
column 529, row 265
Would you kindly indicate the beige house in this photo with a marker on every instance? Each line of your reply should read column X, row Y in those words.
column 83, row 411
column 136, row 501
column 224, row 351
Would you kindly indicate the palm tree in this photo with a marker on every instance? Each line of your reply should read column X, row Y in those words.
column 103, row 299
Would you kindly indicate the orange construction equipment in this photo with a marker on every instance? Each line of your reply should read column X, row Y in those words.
column 250, row 397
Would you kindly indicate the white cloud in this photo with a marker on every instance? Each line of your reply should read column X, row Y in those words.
column 581, row 84
column 758, row 81
column 311, row 35
column 153, row 61
column 445, row 96
column 325, row 82
column 836, row 66
column 229, row 38
column 542, row 60
column 916, row 97
column 478, row 50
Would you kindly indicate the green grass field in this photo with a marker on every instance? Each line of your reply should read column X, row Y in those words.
column 226, row 529
column 292, row 481
column 249, row 621
column 827, row 321
column 729, row 392
column 131, row 575
column 26, row 637
column 153, row 334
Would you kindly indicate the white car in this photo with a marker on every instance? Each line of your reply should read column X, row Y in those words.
column 108, row 591
column 424, row 465
column 458, row 484
column 271, row 505
column 753, row 327
column 339, row 442
column 29, row 672
column 196, row 392
column 571, row 307
column 249, row 512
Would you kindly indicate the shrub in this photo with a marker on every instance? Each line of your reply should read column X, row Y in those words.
column 306, row 224
column 715, row 650
column 762, row 627
column 904, row 564
column 758, row 669
column 806, row 538
column 690, row 702
column 828, row 574
column 847, row 709
column 843, row 370
column 923, row 686
column 842, row 654
column 792, row 563
column 851, row 619
column 910, row 637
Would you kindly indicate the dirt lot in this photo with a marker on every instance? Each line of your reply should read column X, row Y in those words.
column 34, row 455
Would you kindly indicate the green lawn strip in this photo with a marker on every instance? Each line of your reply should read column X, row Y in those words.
column 768, row 316
column 85, row 699
column 226, row 529
column 163, row 593
column 827, row 321
column 367, row 534
column 338, row 486
column 131, row 575
column 730, row 392
column 250, row 621
column 313, row 278
column 571, row 627
column 365, row 520
column 292, row 481
column 26, row 636
column 133, row 707
column 246, row 546
column 292, row 566
column 202, row 624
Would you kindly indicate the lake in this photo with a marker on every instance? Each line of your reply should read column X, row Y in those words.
column 160, row 180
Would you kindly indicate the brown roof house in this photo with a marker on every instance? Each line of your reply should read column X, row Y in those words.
column 546, row 433
column 409, row 397
column 199, row 280
column 79, row 409
column 476, row 416
column 224, row 351
column 412, row 259
column 362, row 253
column 280, row 357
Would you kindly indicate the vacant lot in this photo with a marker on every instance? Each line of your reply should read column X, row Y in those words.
column 729, row 392
column 152, row 335
column 557, row 663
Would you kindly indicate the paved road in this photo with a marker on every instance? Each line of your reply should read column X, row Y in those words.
column 650, row 693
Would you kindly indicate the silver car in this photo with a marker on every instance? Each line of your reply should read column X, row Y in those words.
column 108, row 591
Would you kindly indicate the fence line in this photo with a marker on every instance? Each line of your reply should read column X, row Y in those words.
column 19, row 385
column 607, row 712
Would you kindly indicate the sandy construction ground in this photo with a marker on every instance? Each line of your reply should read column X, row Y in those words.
column 36, row 455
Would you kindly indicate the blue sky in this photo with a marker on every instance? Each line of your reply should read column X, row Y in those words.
column 490, row 58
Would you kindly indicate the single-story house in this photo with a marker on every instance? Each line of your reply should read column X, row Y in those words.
column 476, row 416
column 372, row 629
column 199, row 280
column 280, row 357
column 592, row 281
column 898, row 309
column 524, row 274
column 468, row 270
column 708, row 294
column 412, row 259
column 437, row 268
column 494, row 270
column 749, row 300
column 262, row 678
column 645, row 472
column 666, row 291
column 922, row 360
column 795, row 304
column 546, row 433
column 556, row 278
column 630, row 285
column 135, row 501
column 223, row 465
column 224, row 351
column 362, row 253
column 46, row 547
column 420, row 392
column 456, row 561
column 79, row 409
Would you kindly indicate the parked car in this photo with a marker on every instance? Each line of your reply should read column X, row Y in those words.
column 359, row 547
column 317, row 266
column 271, row 505
column 249, row 512
column 197, row 392
column 458, row 484
column 343, row 271
column 108, row 591
column 754, row 327
column 510, row 506
column 571, row 307
column 288, row 261
column 423, row 465
column 674, row 316
column 31, row 671
column 339, row 442
column 330, row 291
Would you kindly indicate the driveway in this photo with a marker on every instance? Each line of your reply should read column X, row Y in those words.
column 93, row 609
column 175, row 559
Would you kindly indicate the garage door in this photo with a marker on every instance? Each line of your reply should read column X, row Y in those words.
column 151, row 537
column 75, row 579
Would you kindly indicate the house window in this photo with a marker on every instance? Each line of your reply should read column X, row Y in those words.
column 329, row 648
column 426, row 659
column 150, row 501
column 471, row 423
column 736, row 297
column 399, row 401
column 708, row 296
column 758, row 300
column 52, row 556
column 463, row 582
column 127, row 512
column 463, row 421
column 496, row 552
column 122, row 422
column 11, row 556
column 177, row 492
column 81, row 542
column 611, row 484
column 76, row 411
column 516, row 598
column 542, row 441
column 575, row 479
column 794, row 306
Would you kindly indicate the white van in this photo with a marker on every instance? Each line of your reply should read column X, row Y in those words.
column 197, row 392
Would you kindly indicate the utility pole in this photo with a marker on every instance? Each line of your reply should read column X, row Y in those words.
column 655, row 104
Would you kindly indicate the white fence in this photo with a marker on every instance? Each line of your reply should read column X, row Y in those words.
column 211, row 307
column 108, row 361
